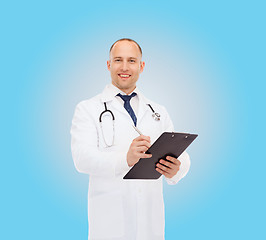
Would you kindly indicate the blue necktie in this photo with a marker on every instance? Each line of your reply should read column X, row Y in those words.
column 128, row 107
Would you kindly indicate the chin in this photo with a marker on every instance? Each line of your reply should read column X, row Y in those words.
column 123, row 85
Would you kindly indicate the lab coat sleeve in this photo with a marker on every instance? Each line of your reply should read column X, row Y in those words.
column 183, row 158
column 86, row 155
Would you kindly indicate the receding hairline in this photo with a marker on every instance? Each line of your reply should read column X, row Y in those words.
column 125, row 39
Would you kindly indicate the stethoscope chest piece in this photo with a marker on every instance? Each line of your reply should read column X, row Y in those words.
column 156, row 116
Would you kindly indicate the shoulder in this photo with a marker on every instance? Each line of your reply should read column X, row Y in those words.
column 89, row 108
column 89, row 103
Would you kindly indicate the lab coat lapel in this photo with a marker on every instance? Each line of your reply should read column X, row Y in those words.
column 143, row 107
column 108, row 97
column 118, row 106
column 111, row 100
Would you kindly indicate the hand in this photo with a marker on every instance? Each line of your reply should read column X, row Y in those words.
column 171, row 167
column 137, row 150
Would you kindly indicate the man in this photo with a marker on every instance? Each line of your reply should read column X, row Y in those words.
column 105, row 145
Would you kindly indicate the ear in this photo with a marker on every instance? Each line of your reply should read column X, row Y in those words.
column 108, row 64
column 142, row 65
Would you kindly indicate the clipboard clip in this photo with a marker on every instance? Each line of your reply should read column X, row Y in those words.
column 174, row 135
column 187, row 135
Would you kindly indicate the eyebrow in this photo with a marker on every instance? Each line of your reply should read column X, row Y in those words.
column 128, row 58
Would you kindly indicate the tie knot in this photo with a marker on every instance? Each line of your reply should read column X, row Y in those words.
column 126, row 98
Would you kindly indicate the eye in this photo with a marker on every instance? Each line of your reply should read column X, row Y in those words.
column 132, row 60
column 117, row 60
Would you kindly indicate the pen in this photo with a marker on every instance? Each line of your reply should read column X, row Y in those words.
column 137, row 130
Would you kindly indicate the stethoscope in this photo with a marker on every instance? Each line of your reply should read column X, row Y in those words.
column 156, row 116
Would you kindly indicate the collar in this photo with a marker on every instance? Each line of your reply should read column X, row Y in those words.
column 110, row 91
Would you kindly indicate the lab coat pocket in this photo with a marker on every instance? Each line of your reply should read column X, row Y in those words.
column 106, row 216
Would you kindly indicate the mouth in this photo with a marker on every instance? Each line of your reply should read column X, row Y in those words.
column 124, row 76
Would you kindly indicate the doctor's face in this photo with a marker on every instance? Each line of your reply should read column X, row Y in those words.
column 125, row 65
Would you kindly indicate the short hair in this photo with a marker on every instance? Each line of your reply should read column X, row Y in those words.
column 125, row 39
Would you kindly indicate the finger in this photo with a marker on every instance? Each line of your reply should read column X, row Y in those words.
column 173, row 168
column 146, row 138
column 166, row 163
column 143, row 138
column 142, row 149
column 178, row 163
column 173, row 160
column 142, row 143
column 166, row 174
column 163, row 168
column 144, row 155
column 159, row 170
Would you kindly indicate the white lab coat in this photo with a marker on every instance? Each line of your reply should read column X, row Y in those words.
column 120, row 209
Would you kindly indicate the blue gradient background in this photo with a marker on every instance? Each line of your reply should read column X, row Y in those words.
column 205, row 61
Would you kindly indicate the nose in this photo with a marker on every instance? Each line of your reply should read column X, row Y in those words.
column 124, row 66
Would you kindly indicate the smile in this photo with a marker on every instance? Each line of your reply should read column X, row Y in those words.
column 124, row 75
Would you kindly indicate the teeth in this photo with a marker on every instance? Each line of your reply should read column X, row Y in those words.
column 124, row 75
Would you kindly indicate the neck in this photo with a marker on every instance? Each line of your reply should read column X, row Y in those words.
column 127, row 91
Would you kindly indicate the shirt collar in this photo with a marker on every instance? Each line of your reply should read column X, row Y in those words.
column 111, row 91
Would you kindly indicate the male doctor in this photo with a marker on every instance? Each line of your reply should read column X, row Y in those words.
column 107, row 147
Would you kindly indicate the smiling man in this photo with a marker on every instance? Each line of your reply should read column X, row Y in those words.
column 105, row 145
column 125, row 65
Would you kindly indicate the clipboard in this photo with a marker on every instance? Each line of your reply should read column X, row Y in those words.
column 168, row 144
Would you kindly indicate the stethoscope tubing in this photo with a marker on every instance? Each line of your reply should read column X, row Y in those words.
column 105, row 111
column 155, row 115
